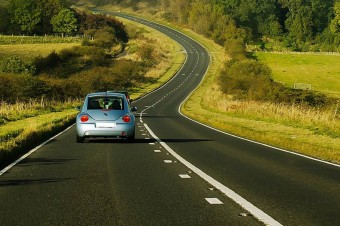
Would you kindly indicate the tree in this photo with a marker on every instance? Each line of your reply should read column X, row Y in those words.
column 64, row 22
column 5, row 20
column 25, row 15
column 335, row 23
column 50, row 8
column 34, row 16
column 300, row 21
column 200, row 17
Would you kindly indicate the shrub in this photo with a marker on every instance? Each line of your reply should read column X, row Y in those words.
column 249, row 79
column 16, row 66
column 97, row 21
column 246, row 78
column 105, row 38
column 8, row 88
column 236, row 49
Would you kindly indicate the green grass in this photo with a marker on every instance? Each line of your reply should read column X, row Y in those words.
column 28, row 47
column 15, row 39
column 28, row 51
column 320, row 70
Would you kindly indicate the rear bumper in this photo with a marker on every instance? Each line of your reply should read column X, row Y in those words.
column 90, row 130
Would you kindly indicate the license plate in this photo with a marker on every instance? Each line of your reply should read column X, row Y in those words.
column 105, row 125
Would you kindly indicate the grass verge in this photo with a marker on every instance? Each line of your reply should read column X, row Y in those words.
column 18, row 137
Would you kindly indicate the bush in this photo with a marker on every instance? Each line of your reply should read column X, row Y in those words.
column 249, row 79
column 16, row 66
column 246, row 78
column 236, row 49
column 8, row 88
column 97, row 21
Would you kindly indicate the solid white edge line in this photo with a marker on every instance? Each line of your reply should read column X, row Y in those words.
column 32, row 151
column 256, row 142
column 256, row 212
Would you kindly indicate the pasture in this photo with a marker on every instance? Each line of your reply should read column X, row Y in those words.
column 322, row 71
column 28, row 47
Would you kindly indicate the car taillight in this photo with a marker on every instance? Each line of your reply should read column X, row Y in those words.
column 84, row 118
column 126, row 118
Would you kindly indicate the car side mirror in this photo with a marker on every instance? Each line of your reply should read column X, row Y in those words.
column 134, row 109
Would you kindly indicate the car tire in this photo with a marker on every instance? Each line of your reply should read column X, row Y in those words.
column 80, row 139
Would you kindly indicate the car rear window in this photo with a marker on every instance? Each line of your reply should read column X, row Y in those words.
column 106, row 102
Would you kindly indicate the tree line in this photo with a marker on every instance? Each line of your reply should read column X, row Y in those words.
column 297, row 25
column 40, row 17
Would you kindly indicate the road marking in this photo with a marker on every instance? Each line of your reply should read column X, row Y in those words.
column 249, row 207
column 184, row 176
column 157, row 151
column 214, row 201
column 168, row 161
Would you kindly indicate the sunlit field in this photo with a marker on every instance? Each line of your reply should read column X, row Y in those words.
column 322, row 71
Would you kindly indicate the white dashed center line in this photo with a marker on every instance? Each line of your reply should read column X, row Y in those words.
column 214, row 201
column 184, row 176
column 256, row 212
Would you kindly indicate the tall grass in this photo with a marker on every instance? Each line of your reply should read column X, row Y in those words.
column 320, row 121
column 14, row 39
column 26, row 124
column 18, row 137
column 21, row 110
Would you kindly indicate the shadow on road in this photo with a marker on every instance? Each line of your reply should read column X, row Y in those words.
column 143, row 141
column 5, row 183
column 43, row 161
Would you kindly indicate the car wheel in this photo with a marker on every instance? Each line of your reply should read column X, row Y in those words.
column 80, row 139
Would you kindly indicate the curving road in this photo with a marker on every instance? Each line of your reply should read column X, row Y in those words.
column 177, row 172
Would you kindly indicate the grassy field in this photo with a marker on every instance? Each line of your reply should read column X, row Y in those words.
column 28, row 51
column 320, row 70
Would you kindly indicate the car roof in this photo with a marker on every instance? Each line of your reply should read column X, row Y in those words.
column 105, row 94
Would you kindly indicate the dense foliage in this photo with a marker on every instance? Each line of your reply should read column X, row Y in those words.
column 297, row 25
column 72, row 72
column 43, row 17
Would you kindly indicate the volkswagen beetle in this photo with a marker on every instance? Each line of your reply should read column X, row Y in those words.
column 105, row 114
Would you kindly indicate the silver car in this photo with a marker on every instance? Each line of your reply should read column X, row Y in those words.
column 105, row 114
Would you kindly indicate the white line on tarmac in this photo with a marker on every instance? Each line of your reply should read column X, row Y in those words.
column 256, row 212
column 31, row 151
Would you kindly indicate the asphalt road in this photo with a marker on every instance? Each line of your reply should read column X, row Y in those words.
column 157, row 180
